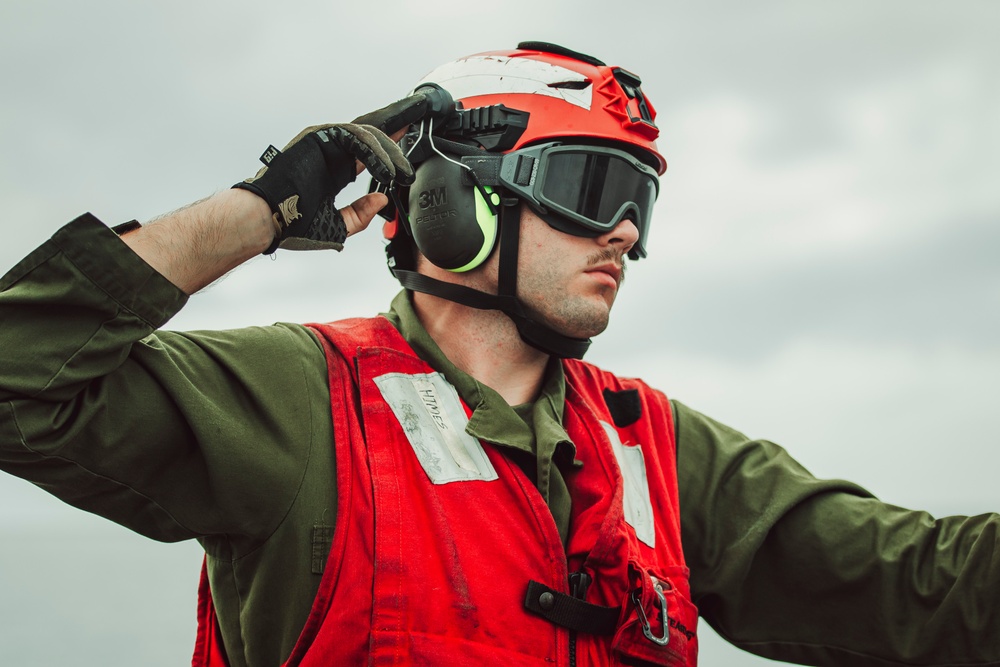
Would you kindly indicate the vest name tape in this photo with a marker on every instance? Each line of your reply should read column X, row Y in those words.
column 434, row 421
column 638, row 506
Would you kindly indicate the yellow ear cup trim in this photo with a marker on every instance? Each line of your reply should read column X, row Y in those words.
column 488, row 224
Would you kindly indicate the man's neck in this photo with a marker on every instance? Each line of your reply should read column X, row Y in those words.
column 485, row 344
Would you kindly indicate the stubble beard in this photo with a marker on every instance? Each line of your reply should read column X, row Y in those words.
column 576, row 316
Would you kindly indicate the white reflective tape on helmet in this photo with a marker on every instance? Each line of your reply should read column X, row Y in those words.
column 498, row 75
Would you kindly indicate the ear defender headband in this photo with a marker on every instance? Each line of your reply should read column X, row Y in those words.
column 454, row 224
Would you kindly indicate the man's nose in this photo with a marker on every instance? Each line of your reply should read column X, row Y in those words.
column 626, row 233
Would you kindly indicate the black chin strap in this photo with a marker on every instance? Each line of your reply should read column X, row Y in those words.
column 533, row 333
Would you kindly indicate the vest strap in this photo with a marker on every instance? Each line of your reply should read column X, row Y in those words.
column 570, row 612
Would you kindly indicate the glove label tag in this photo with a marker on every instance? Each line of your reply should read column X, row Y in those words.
column 269, row 155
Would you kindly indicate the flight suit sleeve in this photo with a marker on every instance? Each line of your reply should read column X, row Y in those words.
column 820, row 572
column 173, row 435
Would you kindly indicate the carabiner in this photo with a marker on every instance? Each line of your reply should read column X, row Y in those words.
column 664, row 639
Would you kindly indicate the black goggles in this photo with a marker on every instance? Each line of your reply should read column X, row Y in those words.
column 581, row 190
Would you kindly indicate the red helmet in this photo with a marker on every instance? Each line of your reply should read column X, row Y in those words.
column 567, row 94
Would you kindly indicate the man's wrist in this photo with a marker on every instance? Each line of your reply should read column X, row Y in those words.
column 253, row 212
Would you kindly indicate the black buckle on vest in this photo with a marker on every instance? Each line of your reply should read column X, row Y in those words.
column 571, row 612
column 579, row 582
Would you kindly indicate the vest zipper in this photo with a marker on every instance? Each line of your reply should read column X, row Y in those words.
column 579, row 582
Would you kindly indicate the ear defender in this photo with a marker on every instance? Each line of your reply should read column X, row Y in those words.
column 452, row 224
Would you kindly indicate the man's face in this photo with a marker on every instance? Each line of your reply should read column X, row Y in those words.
column 570, row 282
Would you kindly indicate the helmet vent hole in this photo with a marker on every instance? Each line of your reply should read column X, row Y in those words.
column 571, row 85
column 549, row 47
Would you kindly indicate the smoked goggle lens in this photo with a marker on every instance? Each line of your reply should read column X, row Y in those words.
column 592, row 187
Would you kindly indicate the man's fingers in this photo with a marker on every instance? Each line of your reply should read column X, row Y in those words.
column 360, row 142
column 395, row 136
column 403, row 170
column 359, row 214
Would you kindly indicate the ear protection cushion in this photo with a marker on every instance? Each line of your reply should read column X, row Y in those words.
column 452, row 224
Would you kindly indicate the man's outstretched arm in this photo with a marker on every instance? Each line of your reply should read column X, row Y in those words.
column 819, row 572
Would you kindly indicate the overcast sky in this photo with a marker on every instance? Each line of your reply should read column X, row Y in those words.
column 823, row 268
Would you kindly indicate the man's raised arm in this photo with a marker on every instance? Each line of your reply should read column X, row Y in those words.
column 115, row 417
column 289, row 204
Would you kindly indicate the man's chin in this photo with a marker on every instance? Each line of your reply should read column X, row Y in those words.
column 578, row 325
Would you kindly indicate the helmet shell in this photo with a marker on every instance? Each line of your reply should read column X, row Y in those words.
column 568, row 96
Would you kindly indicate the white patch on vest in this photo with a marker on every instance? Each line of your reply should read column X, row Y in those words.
column 433, row 419
column 492, row 75
column 638, row 506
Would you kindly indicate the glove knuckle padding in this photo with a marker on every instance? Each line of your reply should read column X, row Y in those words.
column 301, row 135
column 402, row 170
column 363, row 143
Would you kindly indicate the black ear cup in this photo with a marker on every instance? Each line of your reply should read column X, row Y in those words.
column 452, row 224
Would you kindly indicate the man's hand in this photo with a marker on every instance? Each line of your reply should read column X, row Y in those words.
column 301, row 182
column 195, row 245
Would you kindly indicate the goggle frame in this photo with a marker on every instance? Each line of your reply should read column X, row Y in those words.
column 524, row 173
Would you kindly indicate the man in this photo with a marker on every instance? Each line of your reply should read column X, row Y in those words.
column 435, row 485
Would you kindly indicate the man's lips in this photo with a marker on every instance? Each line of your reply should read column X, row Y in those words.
column 609, row 269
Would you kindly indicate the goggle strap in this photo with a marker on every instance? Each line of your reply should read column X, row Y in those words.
column 511, row 169
column 485, row 168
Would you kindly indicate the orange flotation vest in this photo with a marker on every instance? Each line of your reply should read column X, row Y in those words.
column 445, row 552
